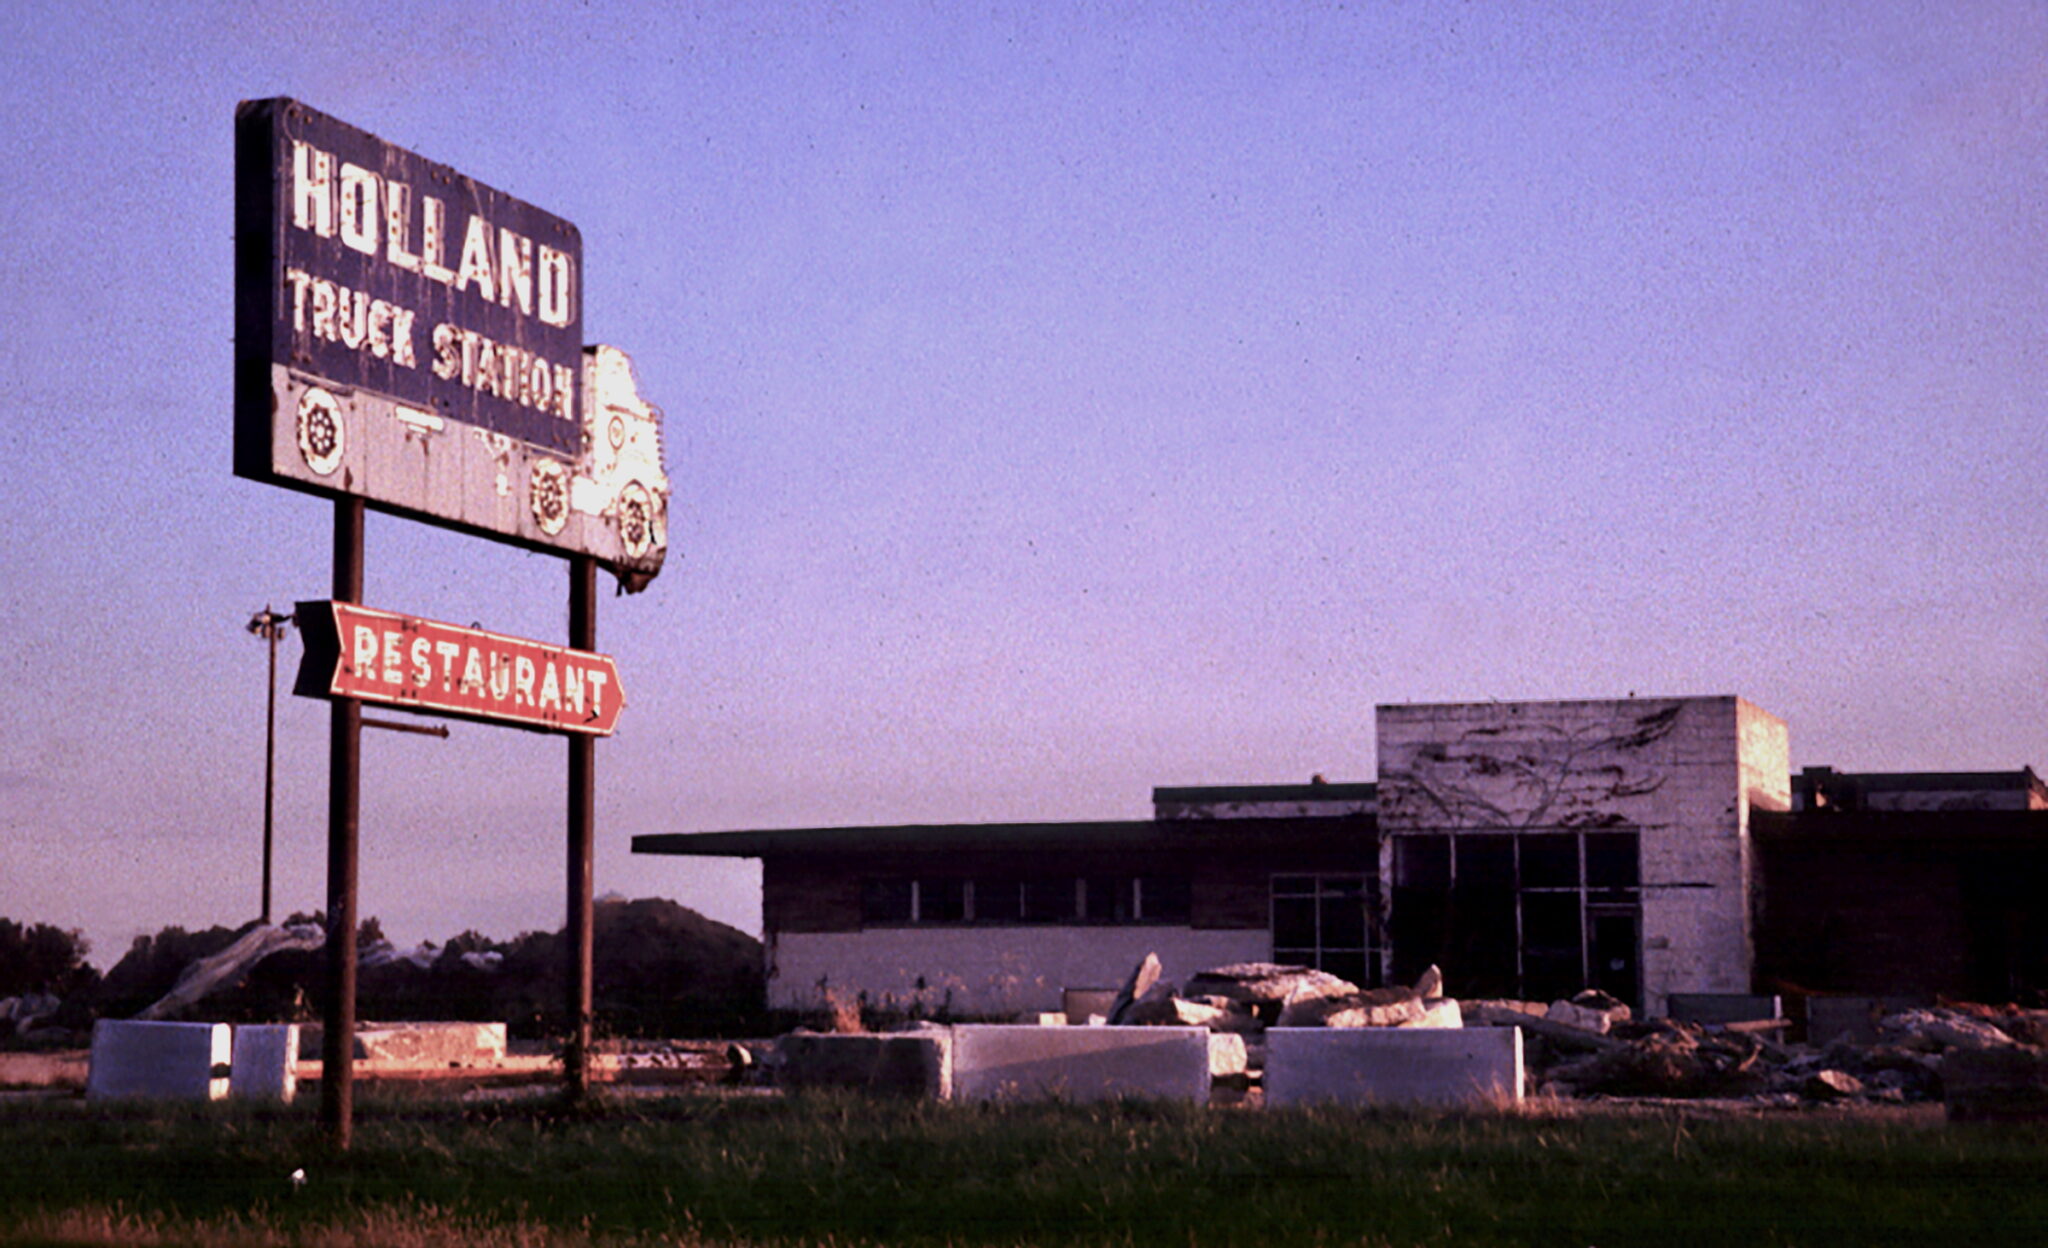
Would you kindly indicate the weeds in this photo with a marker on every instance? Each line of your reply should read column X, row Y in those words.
column 702, row 1170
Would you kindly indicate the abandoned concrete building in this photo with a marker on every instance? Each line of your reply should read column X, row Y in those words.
column 1643, row 846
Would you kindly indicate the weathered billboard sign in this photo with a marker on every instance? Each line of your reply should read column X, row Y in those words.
column 410, row 335
column 433, row 668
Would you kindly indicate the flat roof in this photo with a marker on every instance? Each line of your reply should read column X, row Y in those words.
column 1933, row 827
column 1911, row 781
column 1200, row 835
column 1201, row 794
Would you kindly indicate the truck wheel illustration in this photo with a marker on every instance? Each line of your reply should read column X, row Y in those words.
column 549, row 490
column 636, row 520
column 320, row 437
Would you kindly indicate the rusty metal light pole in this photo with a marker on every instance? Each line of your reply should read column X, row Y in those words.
column 270, row 626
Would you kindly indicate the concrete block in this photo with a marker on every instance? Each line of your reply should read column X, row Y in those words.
column 1393, row 1066
column 907, row 1064
column 1081, row 1063
column 181, row 1061
column 266, row 1063
column 1719, row 1008
column 1228, row 1056
column 431, row 1045
column 43, row 1070
column 1442, row 1013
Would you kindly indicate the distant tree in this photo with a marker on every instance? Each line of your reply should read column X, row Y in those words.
column 470, row 941
column 662, row 969
column 152, row 965
column 41, row 958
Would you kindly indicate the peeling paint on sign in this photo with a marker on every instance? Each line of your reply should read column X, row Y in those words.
column 409, row 335
column 413, row 664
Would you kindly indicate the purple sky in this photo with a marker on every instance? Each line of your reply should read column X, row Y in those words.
column 1059, row 404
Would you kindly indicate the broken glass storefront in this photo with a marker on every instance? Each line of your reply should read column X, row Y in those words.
column 1528, row 915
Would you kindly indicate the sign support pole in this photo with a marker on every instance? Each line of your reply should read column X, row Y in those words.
column 582, row 819
column 344, row 804
column 271, row 628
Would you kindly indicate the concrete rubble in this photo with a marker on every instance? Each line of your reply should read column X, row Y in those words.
column 1591, row 1045
column 20, row 1017
column 1247, row 997
column 1973, row 1057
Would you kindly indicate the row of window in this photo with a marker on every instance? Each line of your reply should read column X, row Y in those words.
column 1601, row 863
column 1013, row 899
column 1537, row 914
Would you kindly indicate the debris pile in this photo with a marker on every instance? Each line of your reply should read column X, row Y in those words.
column 1667, row 1058
column 21, row 1017
column 1988, row 1060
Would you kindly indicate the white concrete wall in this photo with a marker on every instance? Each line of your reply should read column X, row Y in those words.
column 179, row 1061
column 988, row 971
column 996, row 1063
column 1682, row 772
column 1764, row 777
column 265, row 1066
column 1393, row 1065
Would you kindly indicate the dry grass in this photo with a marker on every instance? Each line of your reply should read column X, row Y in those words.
column 398, row 1226
column 817, row 1170
column 842, row 1012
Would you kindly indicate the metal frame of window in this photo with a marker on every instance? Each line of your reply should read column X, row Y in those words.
column 1327, row 893
column 1608, row 899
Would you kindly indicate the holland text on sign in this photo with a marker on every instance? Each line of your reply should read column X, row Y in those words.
column 413, row 337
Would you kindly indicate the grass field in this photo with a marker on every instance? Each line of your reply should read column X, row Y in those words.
column 697, row 1169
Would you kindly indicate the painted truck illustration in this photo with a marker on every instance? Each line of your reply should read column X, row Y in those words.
column 619, row 482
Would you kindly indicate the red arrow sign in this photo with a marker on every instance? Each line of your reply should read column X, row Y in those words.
column 444, row 669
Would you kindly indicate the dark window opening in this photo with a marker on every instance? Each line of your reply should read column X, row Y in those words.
column 1482, row 921
column 1108, row 899
column 1553, row 957
column 1614, row 940
column 941, row 901
column 1550, row 860
column 1164, row 899
column 1537, row 915
column 1330, row 922
column 1104, row 899
column 1419, row 927
column 886, row 901
column 1613, row 862
column 1048, row 901
column 1422, row 862
column 998, row 900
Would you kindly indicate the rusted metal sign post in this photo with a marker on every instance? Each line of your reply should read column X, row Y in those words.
column 344, row 827
column 409, row 338
column 582, row 819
